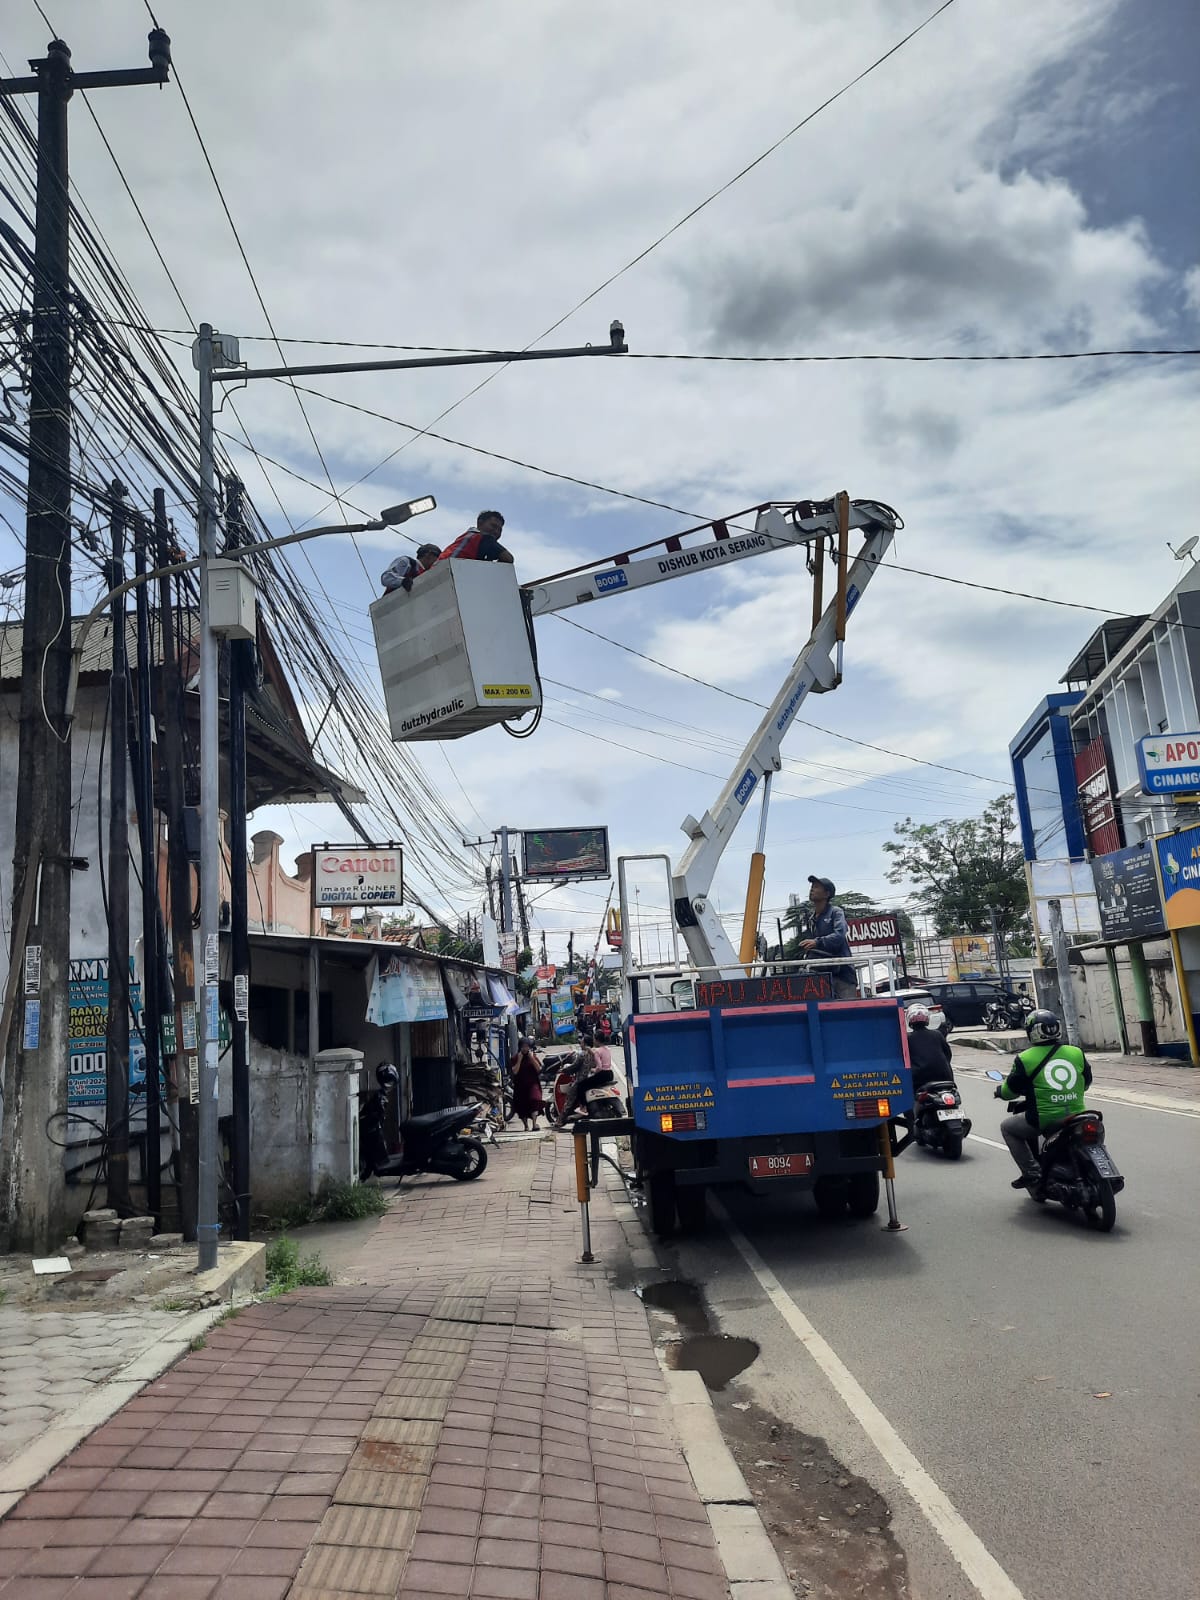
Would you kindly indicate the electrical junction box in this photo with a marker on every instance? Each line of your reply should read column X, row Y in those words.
column 232, row 599
column 455, row 653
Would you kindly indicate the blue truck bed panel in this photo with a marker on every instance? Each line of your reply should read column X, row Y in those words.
column 739, row 1072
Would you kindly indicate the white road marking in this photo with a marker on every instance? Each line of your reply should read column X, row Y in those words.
column 995, row 1143
column 981, row 1568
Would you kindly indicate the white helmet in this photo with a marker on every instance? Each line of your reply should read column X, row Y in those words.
column 918, row 1016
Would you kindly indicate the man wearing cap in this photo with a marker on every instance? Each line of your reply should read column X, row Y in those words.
column 829, row 937
column 480, row 543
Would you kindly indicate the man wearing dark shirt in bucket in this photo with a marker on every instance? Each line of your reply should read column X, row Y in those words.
column 829, row 937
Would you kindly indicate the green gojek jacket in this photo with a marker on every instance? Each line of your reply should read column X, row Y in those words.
column 1051, row 1078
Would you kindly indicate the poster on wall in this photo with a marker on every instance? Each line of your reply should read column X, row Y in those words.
column 1127, row 894
column 87, row 1045
column 557, row 853
column 972, row 957
column 400, row 990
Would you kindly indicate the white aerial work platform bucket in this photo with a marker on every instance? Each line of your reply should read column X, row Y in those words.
column 455, row 653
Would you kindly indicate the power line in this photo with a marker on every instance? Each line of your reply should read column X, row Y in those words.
column 673, row 355
column 1037, row 355
column 748, row 168
column 674, row 228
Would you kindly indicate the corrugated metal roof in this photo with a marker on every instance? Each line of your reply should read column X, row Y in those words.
column 97, row 647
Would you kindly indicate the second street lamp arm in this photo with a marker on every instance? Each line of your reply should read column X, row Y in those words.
column 235, row 552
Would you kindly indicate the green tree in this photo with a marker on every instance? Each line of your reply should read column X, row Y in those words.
column 960, row 866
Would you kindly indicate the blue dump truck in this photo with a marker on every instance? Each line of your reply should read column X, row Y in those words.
column 768, row 1084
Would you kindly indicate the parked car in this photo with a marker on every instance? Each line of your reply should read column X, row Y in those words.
column 966, row 1002
column 913, row 997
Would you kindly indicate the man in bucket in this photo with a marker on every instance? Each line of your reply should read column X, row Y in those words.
column 828, row 936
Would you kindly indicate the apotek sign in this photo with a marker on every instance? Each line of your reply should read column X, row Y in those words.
column 1179, row 864
column 358, row 875
column 1169, row 763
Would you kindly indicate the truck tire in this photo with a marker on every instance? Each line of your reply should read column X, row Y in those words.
column 863, row 1197
column 691, row 1205
column 660, row 1194
column 831, row 1196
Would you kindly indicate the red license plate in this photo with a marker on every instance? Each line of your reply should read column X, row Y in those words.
column 789, row 1166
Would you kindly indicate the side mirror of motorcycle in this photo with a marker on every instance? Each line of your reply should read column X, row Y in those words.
column 996, row 1077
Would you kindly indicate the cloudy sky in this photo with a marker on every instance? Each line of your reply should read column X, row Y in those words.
column 1020, row 176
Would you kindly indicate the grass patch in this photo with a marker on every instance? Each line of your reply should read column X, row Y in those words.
column 348, row 1202
column 294, row 1215
column 287, row 1269
column 198, row 1342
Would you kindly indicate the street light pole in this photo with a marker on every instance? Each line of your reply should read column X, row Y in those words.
column 215, row 357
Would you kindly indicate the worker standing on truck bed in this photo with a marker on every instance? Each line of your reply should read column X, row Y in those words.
column 480, row 543
column 830, row 936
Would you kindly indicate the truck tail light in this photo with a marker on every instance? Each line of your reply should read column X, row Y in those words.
column 856, row 1109
column 681, row 1121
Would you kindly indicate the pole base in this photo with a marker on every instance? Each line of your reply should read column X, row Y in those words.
column 895, row 1227
column 587, row 1258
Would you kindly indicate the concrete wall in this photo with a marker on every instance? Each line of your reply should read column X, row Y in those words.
column 1094, row 997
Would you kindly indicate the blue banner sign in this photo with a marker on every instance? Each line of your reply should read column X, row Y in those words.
column 1169, row 763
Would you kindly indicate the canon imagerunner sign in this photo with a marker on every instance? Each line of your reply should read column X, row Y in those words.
column 358, row 875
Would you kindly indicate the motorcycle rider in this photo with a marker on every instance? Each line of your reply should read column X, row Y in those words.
column 928, row 1050
column 1051, row 1078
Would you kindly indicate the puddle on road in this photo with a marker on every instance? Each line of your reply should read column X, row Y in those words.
column 679, row 1299
column 717, row 1357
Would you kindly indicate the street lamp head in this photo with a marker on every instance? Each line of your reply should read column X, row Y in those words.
column 394, row 515
column 160, row 51
column 616, row 333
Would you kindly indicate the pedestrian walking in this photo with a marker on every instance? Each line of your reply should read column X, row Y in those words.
column 526, row 1072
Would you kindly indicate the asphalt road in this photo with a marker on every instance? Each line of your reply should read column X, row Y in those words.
column 1045, row 1377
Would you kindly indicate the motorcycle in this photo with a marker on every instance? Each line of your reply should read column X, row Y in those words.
column 1010, row 1012
column 438, row 1141
column 938, row 1121
column 1077, row 1171
column 602, row 1093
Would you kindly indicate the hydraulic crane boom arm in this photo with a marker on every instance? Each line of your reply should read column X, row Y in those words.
column 815, row 670
column 777, row 526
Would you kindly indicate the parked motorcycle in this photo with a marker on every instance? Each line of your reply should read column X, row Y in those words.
column 1077, row 1170
column 439, row 1141
column 1007, row 1013
column 938, row 1121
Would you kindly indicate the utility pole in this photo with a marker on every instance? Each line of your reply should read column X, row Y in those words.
column 1066, row 990
column 207, row 1222
column 999, row 947
column 36, row 1060
column 241, row 669
column 152, row 943
column 522, row 909
column 179, row 880
column 545, row 957
column 506, row 904
column 116, row 1032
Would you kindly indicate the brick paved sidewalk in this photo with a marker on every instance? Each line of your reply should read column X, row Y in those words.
column 479, row 1416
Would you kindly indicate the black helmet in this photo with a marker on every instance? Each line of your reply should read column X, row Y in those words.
column 386, row 1075
column 1043, row 1027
